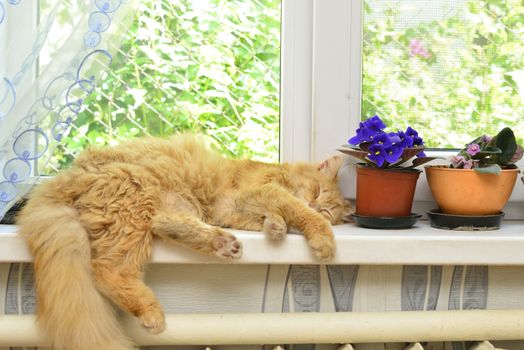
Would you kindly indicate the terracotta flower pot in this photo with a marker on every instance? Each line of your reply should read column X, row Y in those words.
column 385, row 192
column 467, row 192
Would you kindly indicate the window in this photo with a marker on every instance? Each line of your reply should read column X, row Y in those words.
column 208, row 66
column 338, row 90
column 453, row 69
column 323, row 63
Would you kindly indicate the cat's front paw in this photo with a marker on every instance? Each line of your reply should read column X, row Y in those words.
column 275, row 227
column 227, row 246
column 323, row 247
column 321, row 240
column 153, row 320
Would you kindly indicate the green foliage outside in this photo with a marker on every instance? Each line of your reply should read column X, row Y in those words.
column 467, row 80
column 212, row 67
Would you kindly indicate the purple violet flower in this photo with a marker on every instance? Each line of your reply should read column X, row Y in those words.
column 417, row 140
column 384, row 149
column 405, row 140
column 375, row 123
column 359, row 137
column 377, row 154
column 393, row 153
column 367, row 131
column 411, row 132
column 382, row 139
column 395, row 138
column 473, row 149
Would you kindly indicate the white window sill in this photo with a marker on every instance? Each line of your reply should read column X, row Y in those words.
column 355, row 245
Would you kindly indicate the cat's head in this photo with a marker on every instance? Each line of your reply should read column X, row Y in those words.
column 317, row 187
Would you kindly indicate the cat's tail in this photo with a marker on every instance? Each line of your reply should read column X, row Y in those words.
column 70, row 309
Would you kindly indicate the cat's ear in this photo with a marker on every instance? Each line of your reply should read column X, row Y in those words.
column 330, row 166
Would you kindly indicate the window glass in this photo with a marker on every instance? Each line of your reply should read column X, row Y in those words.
column 452, row 69
column 208, row 66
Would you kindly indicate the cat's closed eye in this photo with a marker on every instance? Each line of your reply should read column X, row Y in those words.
column 327, row 214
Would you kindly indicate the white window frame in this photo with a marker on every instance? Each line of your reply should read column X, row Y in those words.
column 296, row 80
column 335, row 68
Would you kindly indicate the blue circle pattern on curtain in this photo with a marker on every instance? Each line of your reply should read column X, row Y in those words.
column 3, row 8
column 60, row 102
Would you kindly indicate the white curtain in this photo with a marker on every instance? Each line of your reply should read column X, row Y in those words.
column 38, row 107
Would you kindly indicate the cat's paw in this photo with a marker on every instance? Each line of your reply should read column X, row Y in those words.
column 153, row 320
column 323, row 246
column 274, row 227
column 227, row 246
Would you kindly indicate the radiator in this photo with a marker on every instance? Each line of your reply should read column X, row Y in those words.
column 279, row 297
column 302, row 328
column 306, row 307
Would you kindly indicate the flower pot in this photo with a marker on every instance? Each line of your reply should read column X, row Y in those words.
column 385, row 192
column 467, row 192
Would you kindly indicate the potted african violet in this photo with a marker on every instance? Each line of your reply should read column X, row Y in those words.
column 386, row 178
column 474, row 188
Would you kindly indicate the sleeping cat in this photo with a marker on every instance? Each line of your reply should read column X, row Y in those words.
column 90, row 228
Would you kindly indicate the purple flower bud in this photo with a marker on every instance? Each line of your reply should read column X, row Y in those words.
column 457, row 161
column 468, row 164
column 473, row 149
column 486, row 138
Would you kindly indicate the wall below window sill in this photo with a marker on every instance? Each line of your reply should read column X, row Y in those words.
column 421, row 244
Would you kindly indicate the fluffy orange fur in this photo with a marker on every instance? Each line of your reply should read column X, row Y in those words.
column 91, row 227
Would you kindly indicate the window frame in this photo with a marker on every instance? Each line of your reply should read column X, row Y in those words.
column 296, row 81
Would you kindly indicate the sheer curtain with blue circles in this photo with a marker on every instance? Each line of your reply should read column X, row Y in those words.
column 36, row 110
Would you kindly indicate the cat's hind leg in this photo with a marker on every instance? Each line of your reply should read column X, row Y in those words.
column 122, row 284
column 188, row 230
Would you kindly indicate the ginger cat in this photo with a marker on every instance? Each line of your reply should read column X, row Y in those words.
column 91, row 227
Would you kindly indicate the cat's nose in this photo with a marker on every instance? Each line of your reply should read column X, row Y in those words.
column 312, row 205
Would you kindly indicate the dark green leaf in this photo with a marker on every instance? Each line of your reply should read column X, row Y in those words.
column 488, row 151
column 505, row 140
